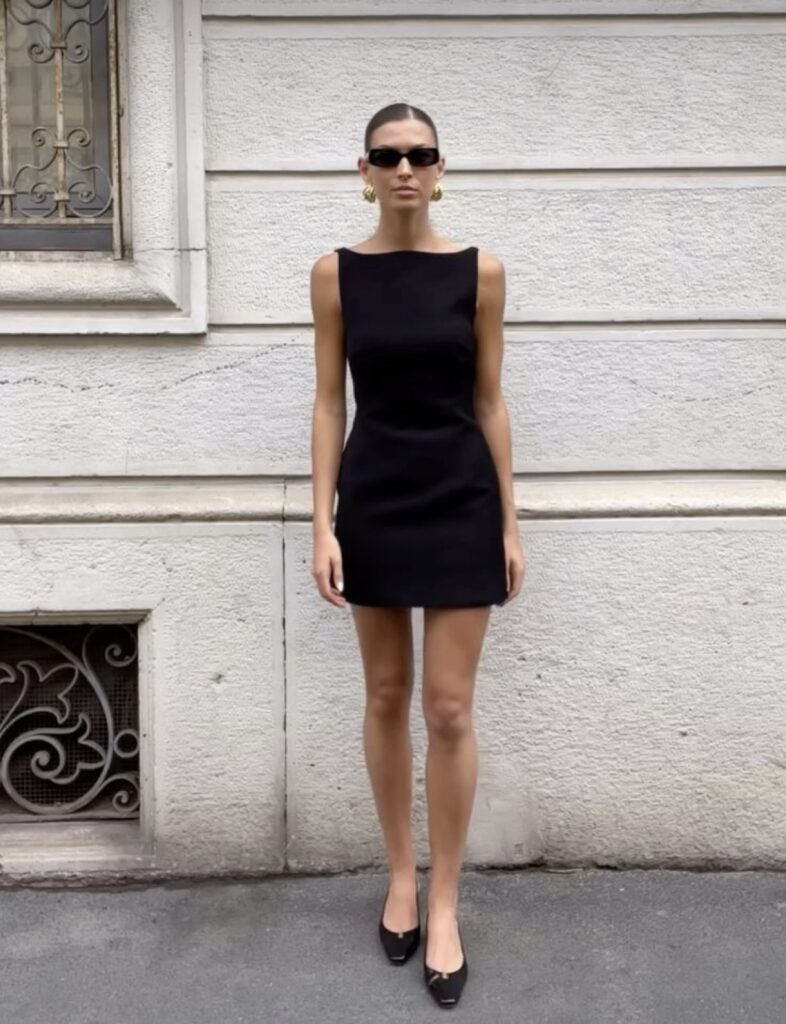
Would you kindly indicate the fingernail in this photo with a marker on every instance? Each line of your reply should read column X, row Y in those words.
column 340, row 585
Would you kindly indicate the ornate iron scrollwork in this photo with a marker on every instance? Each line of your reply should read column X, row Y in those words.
column 40, row 52
column 59, row 150
column 69, row 739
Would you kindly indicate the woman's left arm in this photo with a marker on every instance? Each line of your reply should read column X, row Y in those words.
column 490, row 407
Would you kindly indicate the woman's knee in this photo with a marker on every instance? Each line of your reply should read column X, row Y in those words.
column 448, row 717
column 388, row 693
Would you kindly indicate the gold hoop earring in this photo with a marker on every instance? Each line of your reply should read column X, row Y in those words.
column 437, row 193
column 369, row 193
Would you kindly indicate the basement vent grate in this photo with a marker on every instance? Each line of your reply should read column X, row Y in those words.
column 69, row 722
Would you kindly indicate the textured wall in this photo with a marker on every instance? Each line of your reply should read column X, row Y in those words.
column 628, row 171
column 628, row 705
column 208, row 597
column 655, row 399
column 621, row 167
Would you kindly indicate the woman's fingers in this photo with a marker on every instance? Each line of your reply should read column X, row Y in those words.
column 338, row 575
column 326, row 589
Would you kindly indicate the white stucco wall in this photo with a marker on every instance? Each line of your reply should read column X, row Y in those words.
column 628, row 171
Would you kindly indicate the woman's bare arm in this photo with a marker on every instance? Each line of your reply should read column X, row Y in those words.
column 490, row 407
column 328, row 421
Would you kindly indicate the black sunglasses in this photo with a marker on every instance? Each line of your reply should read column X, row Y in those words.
column 421, row 156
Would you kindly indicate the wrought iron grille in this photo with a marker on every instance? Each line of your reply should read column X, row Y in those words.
column 69, row 723
column 58, row 125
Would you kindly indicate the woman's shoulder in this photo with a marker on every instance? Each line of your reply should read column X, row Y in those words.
column 491, row 281
column 490, row 267
column 489, row 260
column 325, row 266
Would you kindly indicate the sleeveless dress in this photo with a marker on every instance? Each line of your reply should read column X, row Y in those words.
column 419, row 513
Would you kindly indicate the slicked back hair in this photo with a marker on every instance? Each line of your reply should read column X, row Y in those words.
column 397, row 112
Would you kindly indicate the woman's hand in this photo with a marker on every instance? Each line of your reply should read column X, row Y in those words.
column 514, row 562
column 326, row 567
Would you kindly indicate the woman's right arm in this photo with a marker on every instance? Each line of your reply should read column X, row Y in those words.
column 328, row 424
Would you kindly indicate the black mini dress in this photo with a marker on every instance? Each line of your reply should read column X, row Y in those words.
column 419, row 512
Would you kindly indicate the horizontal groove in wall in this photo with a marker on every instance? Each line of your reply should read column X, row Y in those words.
column 541, row 496
column 356, row 24
column 772, row 320
column 733, row 166
column 298, row 178
column 215, row 9
column 677, row 332
column 299, row 333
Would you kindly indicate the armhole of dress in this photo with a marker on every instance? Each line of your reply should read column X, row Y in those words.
column 341, row 302
column 475, row 279
column 340, row 276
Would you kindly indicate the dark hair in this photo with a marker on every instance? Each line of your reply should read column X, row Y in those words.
column 397, row 112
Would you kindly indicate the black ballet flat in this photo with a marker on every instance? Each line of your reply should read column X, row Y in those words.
column 399, row 946
column 445, row 986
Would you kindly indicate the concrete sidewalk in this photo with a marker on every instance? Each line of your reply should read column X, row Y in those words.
column 575, row 947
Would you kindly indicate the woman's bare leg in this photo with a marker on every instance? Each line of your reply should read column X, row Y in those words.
column 385, row 640
column 452, row 643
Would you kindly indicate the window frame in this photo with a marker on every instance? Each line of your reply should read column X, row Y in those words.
column 42, row 233
column 158, row 284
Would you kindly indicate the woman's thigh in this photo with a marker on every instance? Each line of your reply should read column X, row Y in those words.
column 386, row 646
column 452, row 645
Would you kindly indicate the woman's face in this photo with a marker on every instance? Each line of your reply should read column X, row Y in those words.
column 389, row 182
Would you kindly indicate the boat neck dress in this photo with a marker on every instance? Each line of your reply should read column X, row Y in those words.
column 419, row 512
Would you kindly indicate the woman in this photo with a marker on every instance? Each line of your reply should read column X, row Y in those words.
column 425, row 514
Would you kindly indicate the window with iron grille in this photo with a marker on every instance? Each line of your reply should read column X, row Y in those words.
column 69, row 723
column 59, row 167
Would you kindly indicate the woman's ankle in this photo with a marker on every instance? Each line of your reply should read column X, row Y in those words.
column 403, row 875
column 440, row 904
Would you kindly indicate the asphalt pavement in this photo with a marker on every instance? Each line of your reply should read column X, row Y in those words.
column 543, row 946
